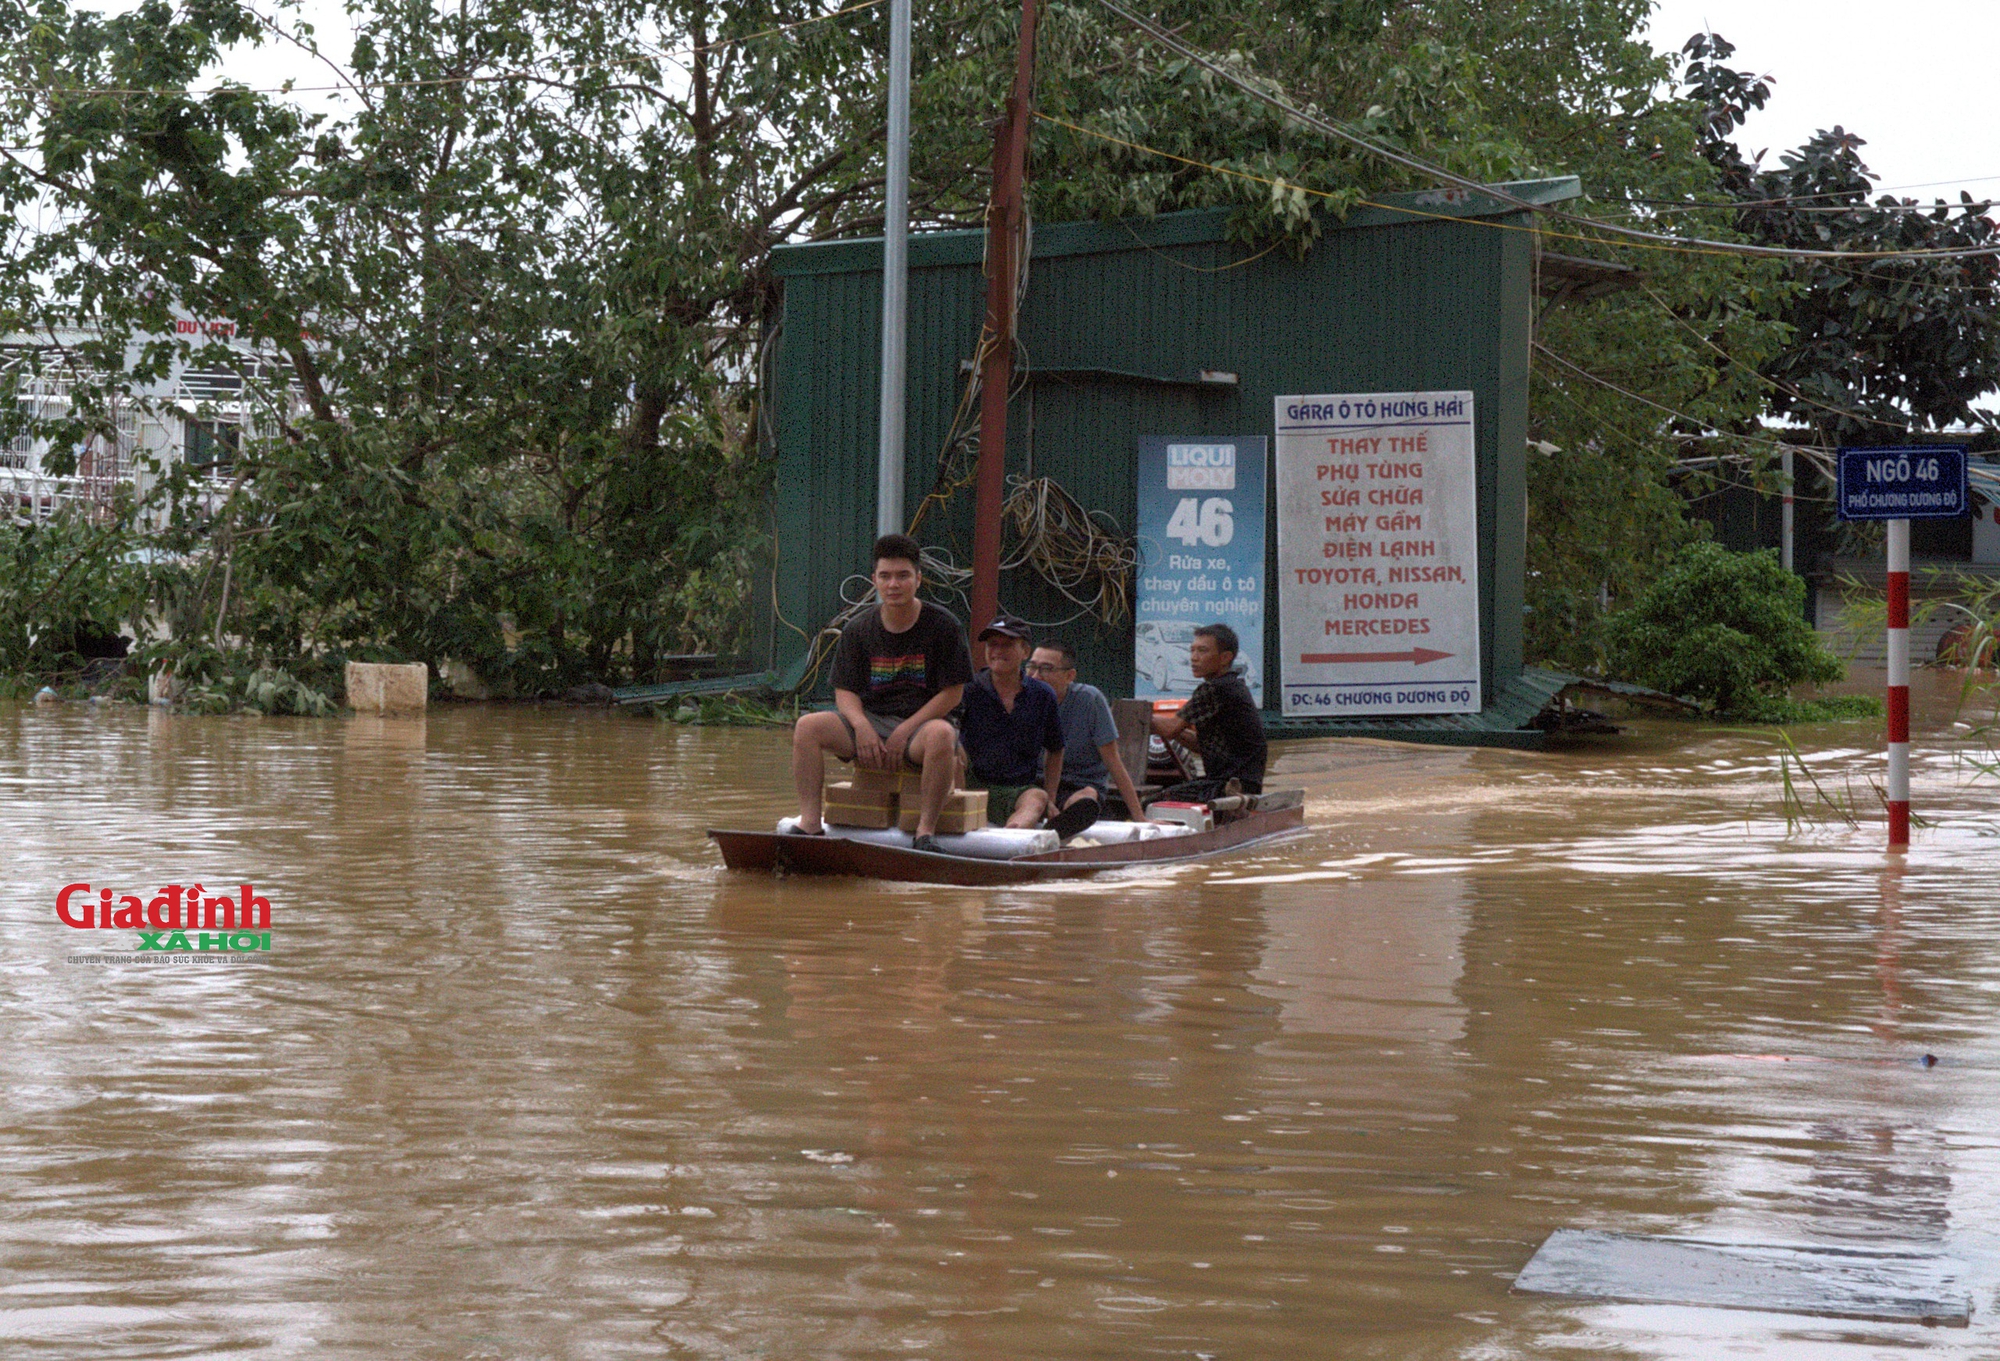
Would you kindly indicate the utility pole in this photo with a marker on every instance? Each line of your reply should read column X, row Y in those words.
column 895, row 277
column 1005, row 218
column 1786, row 514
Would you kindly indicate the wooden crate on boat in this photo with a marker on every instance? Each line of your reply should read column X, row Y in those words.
column 906, row 784
column 847, row 806
column 964, row 811
column 868, row 781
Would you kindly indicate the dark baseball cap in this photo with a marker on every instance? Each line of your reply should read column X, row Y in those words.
column 1006, row 625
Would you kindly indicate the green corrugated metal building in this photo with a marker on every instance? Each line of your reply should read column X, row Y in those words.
column 1119, row 322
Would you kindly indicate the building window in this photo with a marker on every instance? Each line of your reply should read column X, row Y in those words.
column 18, row 451
column 209, row 445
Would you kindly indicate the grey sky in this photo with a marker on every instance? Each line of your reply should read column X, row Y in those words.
column 1913, row 78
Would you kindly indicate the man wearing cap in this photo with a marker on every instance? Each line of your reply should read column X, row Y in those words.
column 1008, row 726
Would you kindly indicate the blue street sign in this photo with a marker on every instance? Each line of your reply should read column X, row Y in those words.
column 1910, row 482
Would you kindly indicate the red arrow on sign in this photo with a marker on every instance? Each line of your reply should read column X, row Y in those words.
column 1416, row 656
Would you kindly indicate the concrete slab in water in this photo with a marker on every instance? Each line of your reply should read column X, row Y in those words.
column 1902, row 1287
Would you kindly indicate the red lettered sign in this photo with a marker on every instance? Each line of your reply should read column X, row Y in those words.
column 1378, row 554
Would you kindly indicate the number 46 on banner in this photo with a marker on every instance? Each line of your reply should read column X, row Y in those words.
column 1211, row 522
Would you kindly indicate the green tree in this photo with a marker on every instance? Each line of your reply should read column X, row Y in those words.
column 508, row 320
column 511, row 308
column 1876, row 348
column 64, row 585
column 1725, row 629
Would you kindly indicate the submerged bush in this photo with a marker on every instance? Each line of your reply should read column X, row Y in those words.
column 67, row 590
column 212, row 680
column 1829, row 709
column 1724, row 629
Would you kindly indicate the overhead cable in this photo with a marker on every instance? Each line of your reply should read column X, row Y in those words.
column 1764, row 378
column 1374, row 148
column 1542, row 231
column 1811, row 451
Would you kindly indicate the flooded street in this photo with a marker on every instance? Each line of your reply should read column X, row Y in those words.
column 525, row 1074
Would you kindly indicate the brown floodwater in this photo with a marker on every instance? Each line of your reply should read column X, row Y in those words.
column 526, row 1074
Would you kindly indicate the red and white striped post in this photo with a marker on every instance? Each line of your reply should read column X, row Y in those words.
column 1899, row 683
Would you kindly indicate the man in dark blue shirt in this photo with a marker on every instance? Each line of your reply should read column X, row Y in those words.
column 1008, row 726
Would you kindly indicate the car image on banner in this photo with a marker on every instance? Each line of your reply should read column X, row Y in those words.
column 1160, row 659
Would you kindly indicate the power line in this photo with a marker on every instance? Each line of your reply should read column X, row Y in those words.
column 1543, row 231
column 1785, row 199
column 1747, row 205
column 1768, row 381
column 1811, row 451
column 1486, row 222
column 1332, row 129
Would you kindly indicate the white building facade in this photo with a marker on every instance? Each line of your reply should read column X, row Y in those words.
column 196, row 416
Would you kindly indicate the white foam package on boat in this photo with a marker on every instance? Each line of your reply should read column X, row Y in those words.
column 988, row 843
column 1001, row 843
column 1112, row 833
column 885, row 836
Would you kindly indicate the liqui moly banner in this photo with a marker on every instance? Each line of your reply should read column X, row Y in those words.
column 1201, row 556
column 1378, row 554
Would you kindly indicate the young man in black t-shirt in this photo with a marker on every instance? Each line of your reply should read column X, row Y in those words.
column 1222, row 718
column 898, row 669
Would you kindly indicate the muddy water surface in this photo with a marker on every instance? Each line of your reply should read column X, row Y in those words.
column 526, row 1075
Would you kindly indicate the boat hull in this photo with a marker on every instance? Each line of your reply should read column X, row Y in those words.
column 774, row 852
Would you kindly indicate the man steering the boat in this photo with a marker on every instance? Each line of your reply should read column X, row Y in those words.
column 1222, row 720
column 899, row 670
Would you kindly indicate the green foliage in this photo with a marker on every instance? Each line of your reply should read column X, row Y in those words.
column 1605, row 515
column 1709, row 345
column 207, row 680
column 64, row 583
column 728, row 711
column 503, row 329
column 1827, row 709
column 507, row 329
column 1725, row 629
column 1876, row 347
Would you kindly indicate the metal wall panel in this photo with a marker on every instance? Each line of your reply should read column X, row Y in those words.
column 1386, row 302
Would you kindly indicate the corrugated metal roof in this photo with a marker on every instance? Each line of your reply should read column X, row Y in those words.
column 1201, row 226
column 1503, row 723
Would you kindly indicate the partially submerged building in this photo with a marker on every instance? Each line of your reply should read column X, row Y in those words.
column 1163, row 327
column 1952, row 562
column 195, row 415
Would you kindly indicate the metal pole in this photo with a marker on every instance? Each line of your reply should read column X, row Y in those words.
column 895, row 277
column 1899, row 684
column 996, row 375
column 1785, row 516
column 1004, row 219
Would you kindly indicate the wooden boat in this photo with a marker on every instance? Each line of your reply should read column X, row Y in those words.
column 1261, row 818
